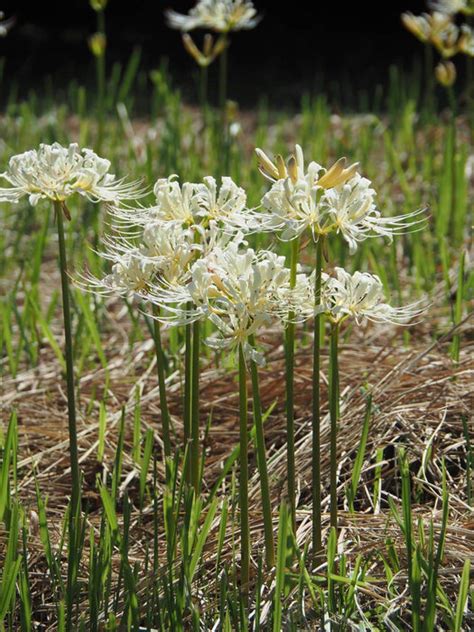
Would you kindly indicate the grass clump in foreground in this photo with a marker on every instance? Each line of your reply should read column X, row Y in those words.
column 257, row 443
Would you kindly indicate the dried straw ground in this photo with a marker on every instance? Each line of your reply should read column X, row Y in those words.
column 419, row 399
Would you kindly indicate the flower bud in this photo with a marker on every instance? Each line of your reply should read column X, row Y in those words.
column 98, row 44
column 411, row 23
column 208, row 45
column 98, row 5
column 231, row 110
column 445, row 73
column 220, row 47
column 193, row 50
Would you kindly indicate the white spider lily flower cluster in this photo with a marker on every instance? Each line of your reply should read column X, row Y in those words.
column 196, row 205
column 156, row 247
column 323, row 201
column 239, row 290
column 439, row 30
column 164, row 251
column 55, row 172
column 452, row 7
column 221, row 16
column 361, row 296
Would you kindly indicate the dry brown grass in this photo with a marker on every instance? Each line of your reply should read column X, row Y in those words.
column 419, row 397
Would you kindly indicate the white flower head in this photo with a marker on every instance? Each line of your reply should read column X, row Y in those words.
column 5, row 25
column 323, row 201
column 427, row 25
column 293, row 201
column 226, row 205
column 238, row 290
column 438, row 29
column 131, row 274
column 174, row 202
column 466, row 41
column 221, row 16
column 361, row 296
column 196, row 205
column 55, row 172
column 451, row 7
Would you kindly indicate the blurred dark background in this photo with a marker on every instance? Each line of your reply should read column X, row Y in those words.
column 297, row 46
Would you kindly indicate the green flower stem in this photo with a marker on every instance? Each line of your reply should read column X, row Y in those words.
column 74, row 510
column 100, row 70
column 334, row 414
column 203, row 93
column 290, row 373
column 195, row 408
column 160, row 364
column 244, row 477
column 223, row 78
column 316, row 444
column 187, row 394
column 71, row 404
column 262, row 465
column 223, row 65
column 429, row 80
column 453, row 108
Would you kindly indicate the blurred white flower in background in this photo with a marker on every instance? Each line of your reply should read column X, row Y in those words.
column 5, row 24
column 439, row 30
column 451, row 7
column 221, row 16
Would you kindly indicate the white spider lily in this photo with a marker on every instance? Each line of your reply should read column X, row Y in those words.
column 239, row 291
column 195, row 205
column 164, row 251
column 426, row 25
column 227, row 204
column 221, row 16
column 361, row 296
column 466, row 40
column 174, row 202
column 350, row 209
column 294, row 199
column 335, row 200
column 131, row 274
column 451, row 7
column 55, row 172
column 438, row 29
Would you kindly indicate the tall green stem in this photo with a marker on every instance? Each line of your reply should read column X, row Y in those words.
column 429, row 81
column 71, row 404
column 100, row 69
column 334, row 414
column 160, row 364
column 453, row 109
column 244, row 477
column 195, row 408
column 223, row 64
column 316, row 444
column 188, row 358
column 290, row 373
column 262, row 466
column 203, row 78
column 223, row 71
column 74, row 515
